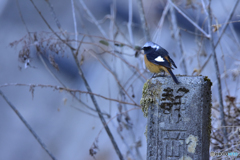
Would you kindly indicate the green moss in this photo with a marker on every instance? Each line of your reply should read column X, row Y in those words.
column 149, row 93
column 146, row 99
column 145, row 133
column 207, row 79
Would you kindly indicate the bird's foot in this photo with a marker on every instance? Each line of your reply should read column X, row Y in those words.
column 161, row 75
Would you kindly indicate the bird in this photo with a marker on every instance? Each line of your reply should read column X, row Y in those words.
column 157, row 60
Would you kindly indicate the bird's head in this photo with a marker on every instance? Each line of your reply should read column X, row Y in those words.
column 150, row 46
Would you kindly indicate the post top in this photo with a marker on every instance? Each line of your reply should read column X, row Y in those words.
column 182, row 79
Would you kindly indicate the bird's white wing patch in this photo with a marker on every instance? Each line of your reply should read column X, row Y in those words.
column 159, row 59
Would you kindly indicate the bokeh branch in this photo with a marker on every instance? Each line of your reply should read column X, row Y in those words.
column 143, row 21
column 27, row 125
column 89, row 13
column 221, row 107
column 178, row 39
column 66, row 89
column 224, row 27
column 191, row 21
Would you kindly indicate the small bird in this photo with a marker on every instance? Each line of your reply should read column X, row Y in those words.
column 157, row 60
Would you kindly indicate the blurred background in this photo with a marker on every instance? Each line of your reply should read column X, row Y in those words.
column 43, row 44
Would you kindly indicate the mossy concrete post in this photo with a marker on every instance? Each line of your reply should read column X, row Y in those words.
column 179, row 122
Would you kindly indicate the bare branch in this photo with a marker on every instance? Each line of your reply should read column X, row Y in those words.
column 27, row 125
column 20, row 13
column 222, row 32
column 74, row 22
column 178, row 38
column 54, row 15
column 160, row 23
column 130, row 11
column 204, row 7
column 193, row 33
column 51, row 27
column 205, row 64
column 112, row 22
column 226, row 22
column 80, row 110
column 66, row 89
column 89, row 13
column 114, row 118
column 235, row 35
column 221, row 107
column 115, row 79
column 143, row 20
column 55, row 77
column 191, row 21
column 98, row 109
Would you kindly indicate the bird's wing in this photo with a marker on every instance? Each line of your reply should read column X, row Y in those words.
column 159, row 58
column 165, row 53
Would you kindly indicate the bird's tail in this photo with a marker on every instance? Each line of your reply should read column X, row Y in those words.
column 173, row 76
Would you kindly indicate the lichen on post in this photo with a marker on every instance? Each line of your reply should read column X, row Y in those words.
column 178, row 115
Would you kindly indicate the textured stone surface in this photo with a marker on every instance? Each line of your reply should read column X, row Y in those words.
column 178, row 118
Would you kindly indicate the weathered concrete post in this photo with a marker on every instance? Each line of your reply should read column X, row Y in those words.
column 179, row 123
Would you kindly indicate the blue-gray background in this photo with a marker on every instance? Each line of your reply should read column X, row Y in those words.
column 68, row 133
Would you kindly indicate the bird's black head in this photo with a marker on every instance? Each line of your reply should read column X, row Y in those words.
column 150, row 47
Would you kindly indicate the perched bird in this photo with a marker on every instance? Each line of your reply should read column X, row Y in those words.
column 157, row 60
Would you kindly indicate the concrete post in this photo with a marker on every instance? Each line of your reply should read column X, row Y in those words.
column 179, row 118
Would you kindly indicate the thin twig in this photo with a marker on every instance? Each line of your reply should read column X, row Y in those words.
column 115, row 78
column 20, row 13
column 112, row 22
column 93, row 36
column 143, row 21
column 223, row 75
column 51, row 27
column 224, row 68
column 118, row 56
column 129, row 25
column 42, row 60
column 80, row 110
column 89, row 13
column 55, row 77
column 221, row 34
column 226, row 22
column 204, row 7
column 98, row 109
column 54, row 15
column 66, row 89
column 221, row 107
column 27, row 125
column 205, row 63
column 74, row 22
column 139, row 157
column 114, row 118
column 160, row 23
column 193, row 33
column 121, row 32
column 235, row 35
column 112, row 37
column 80, row 44
column 77, row 7
column 191, row 21
column 178, row 39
